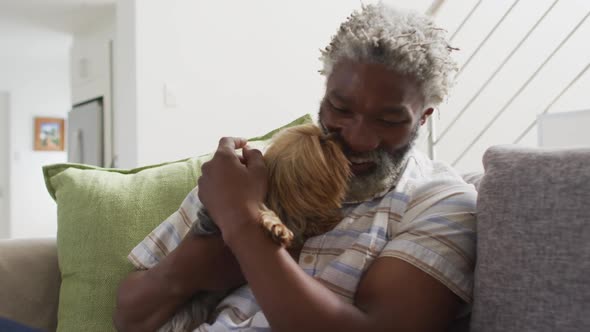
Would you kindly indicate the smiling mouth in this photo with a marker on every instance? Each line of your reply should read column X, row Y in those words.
column 362, row 167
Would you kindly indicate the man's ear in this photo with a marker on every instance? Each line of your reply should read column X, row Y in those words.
column 425, row 115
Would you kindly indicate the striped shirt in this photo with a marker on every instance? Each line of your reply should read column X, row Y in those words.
column 427, row 220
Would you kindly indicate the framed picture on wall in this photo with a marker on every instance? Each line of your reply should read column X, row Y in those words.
column 49, row 134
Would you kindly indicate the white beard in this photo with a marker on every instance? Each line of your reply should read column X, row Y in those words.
column 388, row 170
column 383, row 177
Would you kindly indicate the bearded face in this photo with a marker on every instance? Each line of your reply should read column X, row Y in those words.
column 383, row 168
column 375, row 112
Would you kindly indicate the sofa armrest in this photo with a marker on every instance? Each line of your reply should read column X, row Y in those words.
column 533, row 227
column 29, row 282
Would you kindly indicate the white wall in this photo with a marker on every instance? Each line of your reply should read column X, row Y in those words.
column 242, row 68
column 234, row 68
column 4, row 165
column 35, row 71
column 125, row 86
column 91, row 72
column 551, row 127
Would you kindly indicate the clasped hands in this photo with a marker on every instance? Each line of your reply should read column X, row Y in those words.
column 232, row 188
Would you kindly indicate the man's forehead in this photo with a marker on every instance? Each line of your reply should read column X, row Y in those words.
column 390, row 105
column 374, row 83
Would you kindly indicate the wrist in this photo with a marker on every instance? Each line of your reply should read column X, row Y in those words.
column 240, row 222
column 243, row 234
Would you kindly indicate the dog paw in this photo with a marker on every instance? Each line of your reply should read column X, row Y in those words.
column 281, row 234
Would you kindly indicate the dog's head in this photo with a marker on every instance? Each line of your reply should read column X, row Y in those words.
column 308, row 176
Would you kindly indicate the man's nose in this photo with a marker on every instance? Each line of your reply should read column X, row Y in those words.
column 359, row 137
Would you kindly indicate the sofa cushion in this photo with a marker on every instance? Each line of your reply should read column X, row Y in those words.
column 29, row 282
column 533, row 243
column 102, row 215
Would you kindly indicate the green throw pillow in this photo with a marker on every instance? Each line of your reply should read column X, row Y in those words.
column 102, row 214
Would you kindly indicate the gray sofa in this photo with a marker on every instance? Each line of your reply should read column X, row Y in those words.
column 533, row 249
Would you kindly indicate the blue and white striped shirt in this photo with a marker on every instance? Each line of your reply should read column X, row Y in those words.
column 427, row 220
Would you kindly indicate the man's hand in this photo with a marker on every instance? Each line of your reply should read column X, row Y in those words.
column 233, row 188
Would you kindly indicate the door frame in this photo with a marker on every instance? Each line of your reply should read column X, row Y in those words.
column 5, row 169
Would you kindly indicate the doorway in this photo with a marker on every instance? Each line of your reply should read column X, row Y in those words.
column 4, row 165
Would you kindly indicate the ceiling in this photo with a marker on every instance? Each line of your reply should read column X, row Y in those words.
column 71, row 16
column 66, row 16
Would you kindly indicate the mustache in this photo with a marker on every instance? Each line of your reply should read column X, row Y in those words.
column 337, row 137
column 372, row 155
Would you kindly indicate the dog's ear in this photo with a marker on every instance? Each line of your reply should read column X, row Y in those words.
column 308, row 176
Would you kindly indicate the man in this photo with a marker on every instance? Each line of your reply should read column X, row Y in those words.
column 401, row 260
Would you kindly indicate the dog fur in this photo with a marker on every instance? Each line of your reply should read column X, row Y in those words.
column 308, row 175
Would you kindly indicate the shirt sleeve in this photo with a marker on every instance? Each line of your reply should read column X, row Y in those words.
column 168, row 235
column 437, row 235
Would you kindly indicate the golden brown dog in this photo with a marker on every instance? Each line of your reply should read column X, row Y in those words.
column 308, row 175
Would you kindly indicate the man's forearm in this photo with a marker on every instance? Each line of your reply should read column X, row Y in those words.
column 291, row 299
column 144, row 302
column 147, row 299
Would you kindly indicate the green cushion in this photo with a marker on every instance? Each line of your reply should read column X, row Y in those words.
column 102, row 214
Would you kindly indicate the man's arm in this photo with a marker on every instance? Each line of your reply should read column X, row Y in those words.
column 147, row 299
column 392, row 296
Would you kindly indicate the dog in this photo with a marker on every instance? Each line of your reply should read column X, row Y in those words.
column 308, row 174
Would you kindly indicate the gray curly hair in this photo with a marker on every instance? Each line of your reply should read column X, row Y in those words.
column 406, row 42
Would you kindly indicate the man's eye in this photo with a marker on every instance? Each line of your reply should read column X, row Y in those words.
column 390, row 123
column 340, row 111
